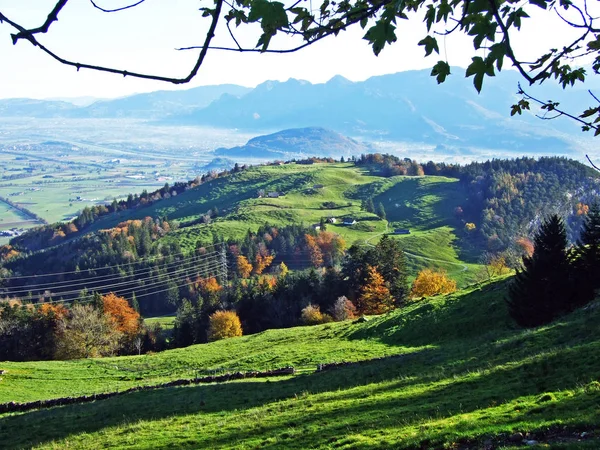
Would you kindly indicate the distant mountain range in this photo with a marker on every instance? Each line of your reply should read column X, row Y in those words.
column 406, row 106
column 297, row 142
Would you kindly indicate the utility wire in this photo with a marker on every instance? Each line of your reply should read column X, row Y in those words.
column 139, row 261
column 89, row 298
column 70, row 283
column 122, row 283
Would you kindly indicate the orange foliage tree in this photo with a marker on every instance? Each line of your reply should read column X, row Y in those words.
column 316, row 255
column 375, row 297
column 122, row 316
column 7, row 252
column 526, row 246
column 432, row 282
column 244, row 268
column 56, row 311
column 332, row 246
column 262, row 262
column 224, row 324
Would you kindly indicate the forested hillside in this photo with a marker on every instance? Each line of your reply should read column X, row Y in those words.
column 292, row 243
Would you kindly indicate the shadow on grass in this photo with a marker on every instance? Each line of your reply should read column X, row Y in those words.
column 397, row 402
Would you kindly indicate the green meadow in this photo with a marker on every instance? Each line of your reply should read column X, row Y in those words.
column 459, row 375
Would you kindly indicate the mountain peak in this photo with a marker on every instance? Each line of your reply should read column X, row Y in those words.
column 339, row 80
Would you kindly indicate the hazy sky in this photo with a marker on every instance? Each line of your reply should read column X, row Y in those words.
column 144, row 38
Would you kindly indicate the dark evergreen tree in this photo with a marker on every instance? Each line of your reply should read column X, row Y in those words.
column 392, row 266
column 370, row 206
column 381, row 211
column 543, row 290
column 587, row 263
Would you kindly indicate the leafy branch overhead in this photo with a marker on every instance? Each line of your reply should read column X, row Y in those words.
column 490, row 24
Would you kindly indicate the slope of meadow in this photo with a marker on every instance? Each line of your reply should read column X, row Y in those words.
column 467, row 378
column 425, row 205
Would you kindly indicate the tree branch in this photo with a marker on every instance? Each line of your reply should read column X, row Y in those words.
column 216, row 13
column 593, row 165
column 560, row 112
column 116, row 9
column 52, row 17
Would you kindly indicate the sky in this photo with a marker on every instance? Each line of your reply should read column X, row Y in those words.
column 144, row 39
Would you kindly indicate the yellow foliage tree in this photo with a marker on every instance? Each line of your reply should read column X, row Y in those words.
column 311, row 315
column 432, row 282
column 283, row 269
column 375, row 297
column 470, row 226
column 243, row 266
column 224, row 324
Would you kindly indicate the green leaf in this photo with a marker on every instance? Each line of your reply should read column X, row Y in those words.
column 381, row 33
column 443, row 11
column 430, row 43
column 541, row 3
column 429, row 17
column 441, row 70
column 589, row 112
column 479, row 69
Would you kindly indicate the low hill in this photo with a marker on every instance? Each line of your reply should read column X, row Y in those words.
column 448, row 372
column 297, row 143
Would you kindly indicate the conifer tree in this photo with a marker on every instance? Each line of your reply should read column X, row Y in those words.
column 543, row 289
column 381, row 211
column 370, row 206
column 392, row 266
column 587, row 263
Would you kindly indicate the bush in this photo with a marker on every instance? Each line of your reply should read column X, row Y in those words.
column 343, row 309
column 432, row 282
column 311, row 315
column 224, row 324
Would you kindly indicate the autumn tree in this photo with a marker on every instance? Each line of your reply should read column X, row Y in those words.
column 375, row 297
column 311, row 315
column 494, row 265
column 432, row 282
column 261, row 262
column 122, row 316
column 343, row 309
column 224, row 324
column 314, row 251
column 542, row 290
column 87, row 333
column 244, row 268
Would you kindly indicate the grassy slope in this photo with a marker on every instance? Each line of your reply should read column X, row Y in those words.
column 467, row 376
column 423, row 204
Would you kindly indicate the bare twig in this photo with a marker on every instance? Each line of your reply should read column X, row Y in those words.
column 52, row 17
column 560, row 112
column 116, row 9
column 216, row 13
column 593, row 165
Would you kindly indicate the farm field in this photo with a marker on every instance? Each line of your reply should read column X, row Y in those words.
column 47, row 164
column 461, row 376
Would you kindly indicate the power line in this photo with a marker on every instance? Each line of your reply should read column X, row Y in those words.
column 132, row 290
column 158, row 276
column 139, row 261
column 70, row 283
